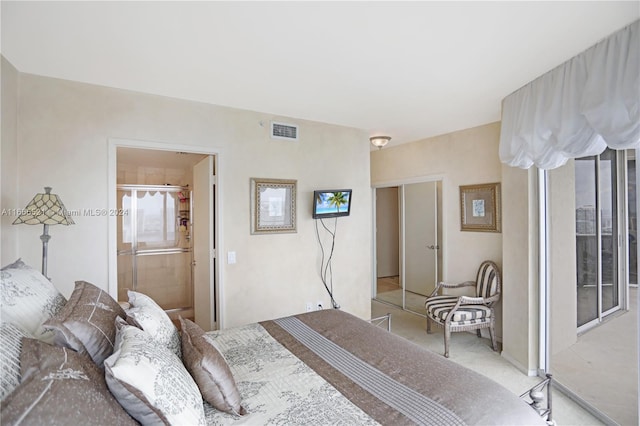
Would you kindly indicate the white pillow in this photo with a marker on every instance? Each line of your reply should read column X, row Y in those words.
column 29, row 299
column 150, row 381
column 10, row 347
column 146, row 314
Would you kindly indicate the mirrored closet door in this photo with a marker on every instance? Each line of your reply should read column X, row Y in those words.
column 408, row 235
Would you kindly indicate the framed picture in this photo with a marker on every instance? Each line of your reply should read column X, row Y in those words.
column 273, row 206
column 480, row 207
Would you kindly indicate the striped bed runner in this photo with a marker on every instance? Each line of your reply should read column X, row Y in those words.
column 417, row 407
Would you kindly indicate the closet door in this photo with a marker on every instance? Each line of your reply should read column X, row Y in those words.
column 420, row 243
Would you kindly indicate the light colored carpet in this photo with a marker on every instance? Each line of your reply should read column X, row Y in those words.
column 602, row 366
column 474, row 353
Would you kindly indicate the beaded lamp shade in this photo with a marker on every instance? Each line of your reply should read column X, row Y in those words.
column 45, row 209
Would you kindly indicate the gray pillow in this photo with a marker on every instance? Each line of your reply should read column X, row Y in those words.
column 209, row 369
column 60, row 386
column 150, row 382
column 10, row 348
column 86, row 323
column 28, row 299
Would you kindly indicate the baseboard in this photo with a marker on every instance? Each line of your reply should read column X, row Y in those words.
column 529, row 372
column 583, row 404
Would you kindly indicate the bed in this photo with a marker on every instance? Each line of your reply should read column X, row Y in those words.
column 88, row 359
column 329, row 367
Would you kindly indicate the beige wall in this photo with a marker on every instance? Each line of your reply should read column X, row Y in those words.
column 461, row 158
column 64, row 129
column 9, row 178
column 520, row 248
column 520, row 268
column 563, row 308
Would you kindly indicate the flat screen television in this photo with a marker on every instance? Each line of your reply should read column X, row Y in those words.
column 331, row 203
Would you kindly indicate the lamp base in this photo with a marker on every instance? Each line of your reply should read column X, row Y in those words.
column 45, row 237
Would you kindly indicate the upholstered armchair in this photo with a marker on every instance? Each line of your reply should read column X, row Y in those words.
column 465, row 313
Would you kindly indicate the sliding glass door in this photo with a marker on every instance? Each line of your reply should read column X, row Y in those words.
column 597, row 255
column 632, row 194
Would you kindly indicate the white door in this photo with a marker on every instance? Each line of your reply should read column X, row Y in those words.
column 420, row 239
column 203, row 244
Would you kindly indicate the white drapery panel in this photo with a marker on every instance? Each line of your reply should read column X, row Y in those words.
column 577, row 109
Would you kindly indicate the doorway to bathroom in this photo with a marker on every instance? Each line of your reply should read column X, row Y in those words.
column 165, row 236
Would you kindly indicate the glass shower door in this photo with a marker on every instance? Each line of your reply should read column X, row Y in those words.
column 154, row 251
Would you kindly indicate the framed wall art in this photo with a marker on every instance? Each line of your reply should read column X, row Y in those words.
column 480, row 207
column 273, row 206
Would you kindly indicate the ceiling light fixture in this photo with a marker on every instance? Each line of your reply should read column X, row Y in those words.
column 380, row 141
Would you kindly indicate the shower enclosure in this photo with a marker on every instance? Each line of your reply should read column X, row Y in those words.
column 154, row 245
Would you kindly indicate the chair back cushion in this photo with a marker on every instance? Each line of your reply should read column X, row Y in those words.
column 488, row 280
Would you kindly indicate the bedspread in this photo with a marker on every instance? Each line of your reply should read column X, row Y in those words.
column 329, row 367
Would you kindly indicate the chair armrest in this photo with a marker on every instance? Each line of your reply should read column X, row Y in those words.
column 442, row 284
column 466, row 300
column 464, row 284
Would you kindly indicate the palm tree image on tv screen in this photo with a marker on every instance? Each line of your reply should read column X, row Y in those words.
column 331, row 203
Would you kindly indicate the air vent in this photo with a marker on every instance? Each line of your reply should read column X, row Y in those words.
column 284, row 131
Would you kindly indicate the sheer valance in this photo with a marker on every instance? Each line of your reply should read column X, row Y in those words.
column 577, row 109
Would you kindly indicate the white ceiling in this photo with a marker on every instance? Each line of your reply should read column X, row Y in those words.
column 406, row 69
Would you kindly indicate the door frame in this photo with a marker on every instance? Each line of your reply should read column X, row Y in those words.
column 374, row 248
column 112, row 228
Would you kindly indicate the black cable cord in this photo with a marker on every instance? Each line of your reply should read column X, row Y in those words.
column 328, row 268
column 333, row 241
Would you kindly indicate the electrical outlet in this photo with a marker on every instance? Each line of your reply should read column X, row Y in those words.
column 309, row 306
column 319, row 305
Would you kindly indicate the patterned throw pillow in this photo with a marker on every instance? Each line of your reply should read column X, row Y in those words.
column 209, row 369
column 60, row 386
column 29, row 299
column 150, row 381
column 86, row 323
column 10, row 348
column 147, row 315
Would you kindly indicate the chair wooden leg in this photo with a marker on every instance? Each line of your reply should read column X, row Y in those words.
column 478, row 333
column 492, row 333
column 447, row 337
column 428, row 325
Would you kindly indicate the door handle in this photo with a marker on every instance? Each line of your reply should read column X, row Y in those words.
column 433, row 247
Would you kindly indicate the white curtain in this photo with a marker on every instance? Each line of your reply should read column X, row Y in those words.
column 577, row 109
